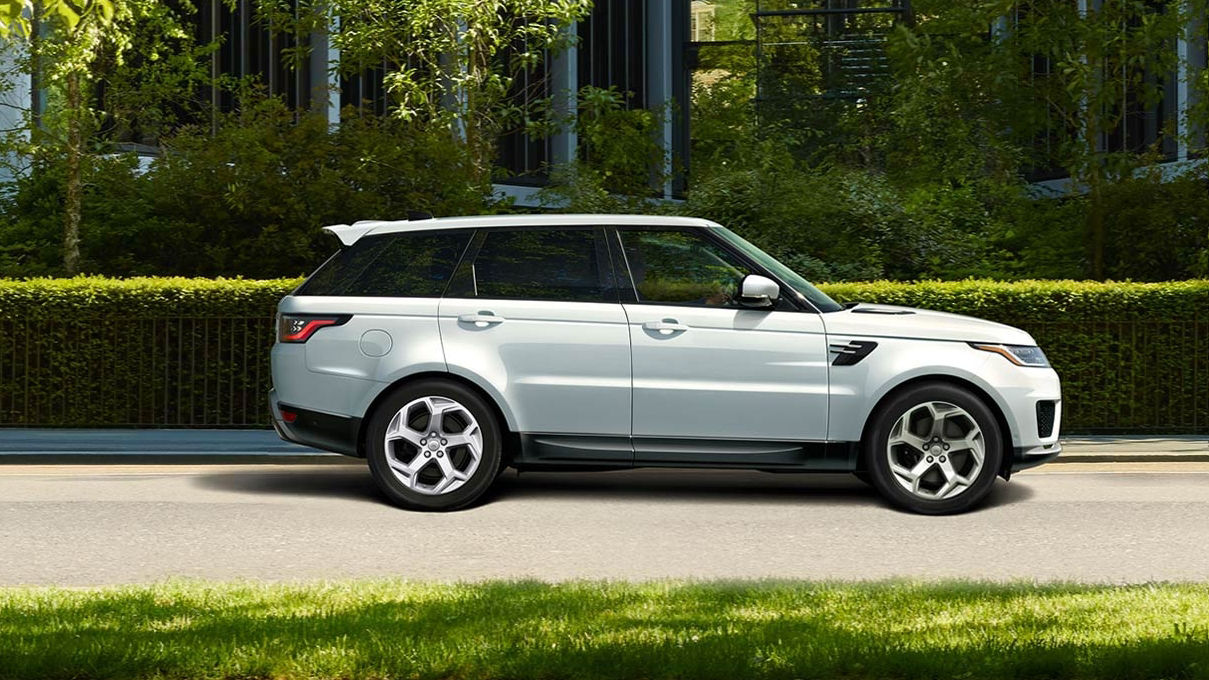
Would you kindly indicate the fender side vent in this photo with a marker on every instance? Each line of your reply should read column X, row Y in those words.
column 849, row 353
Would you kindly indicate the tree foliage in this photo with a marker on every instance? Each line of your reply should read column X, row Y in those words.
column 454, row 63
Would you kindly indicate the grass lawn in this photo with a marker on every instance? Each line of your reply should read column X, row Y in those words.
column 605, row 630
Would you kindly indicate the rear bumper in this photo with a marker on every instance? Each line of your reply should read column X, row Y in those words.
column 338, row 434
column 1024, row 458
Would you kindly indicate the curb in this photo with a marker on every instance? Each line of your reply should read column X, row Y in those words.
column 1130, row 458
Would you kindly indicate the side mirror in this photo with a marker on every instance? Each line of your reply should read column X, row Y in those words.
column 758, row 291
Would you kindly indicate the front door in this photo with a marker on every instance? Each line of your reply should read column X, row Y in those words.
column 713, row 381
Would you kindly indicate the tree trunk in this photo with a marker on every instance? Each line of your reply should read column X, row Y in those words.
column 1095, row 224
column 72, row 203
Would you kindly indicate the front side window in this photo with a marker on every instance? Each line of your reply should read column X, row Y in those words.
column 794, row 280
column 567, row 264
column 407, row 264
column 682, row 268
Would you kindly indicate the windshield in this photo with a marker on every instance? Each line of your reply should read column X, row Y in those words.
column 817, row 297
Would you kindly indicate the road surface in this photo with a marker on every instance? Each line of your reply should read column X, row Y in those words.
column 105, row 524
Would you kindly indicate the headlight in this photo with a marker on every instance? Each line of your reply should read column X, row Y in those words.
column 1021, row 355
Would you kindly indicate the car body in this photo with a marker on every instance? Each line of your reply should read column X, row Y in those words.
column 615, row 341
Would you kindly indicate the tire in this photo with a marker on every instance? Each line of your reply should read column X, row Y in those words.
column 417, row 471
column 923, row 453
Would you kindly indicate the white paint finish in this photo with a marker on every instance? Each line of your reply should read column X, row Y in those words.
column 647, row 370
column 349, row 233
column 330, row 373
column 922, row 323
column 556, row 367
column 336, row 350
column 376, row 343
column 855, row 390
column 324, row 392
column 735, row 374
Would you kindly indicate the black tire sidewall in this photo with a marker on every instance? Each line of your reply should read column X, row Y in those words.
column 479, row 482
column 878, row 467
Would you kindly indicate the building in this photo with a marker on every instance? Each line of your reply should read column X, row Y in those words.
column 633, row 45
column 808, row 57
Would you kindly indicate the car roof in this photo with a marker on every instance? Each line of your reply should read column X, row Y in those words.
column 349, row 233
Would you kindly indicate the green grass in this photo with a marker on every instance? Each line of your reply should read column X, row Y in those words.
column 605, row 630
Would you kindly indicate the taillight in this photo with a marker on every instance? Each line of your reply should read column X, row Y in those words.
column 300, row 327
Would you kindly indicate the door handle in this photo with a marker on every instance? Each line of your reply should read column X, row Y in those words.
column 665, row 327
column 480, row 320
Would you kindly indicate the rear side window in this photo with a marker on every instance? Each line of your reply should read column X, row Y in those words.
column 411, row 264
column 539, row 264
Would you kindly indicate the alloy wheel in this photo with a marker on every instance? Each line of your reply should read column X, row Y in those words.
column 936, row 450
column 433, row 445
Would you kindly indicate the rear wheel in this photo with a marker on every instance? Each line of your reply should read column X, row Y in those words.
column 433, row 445
column 934, row 449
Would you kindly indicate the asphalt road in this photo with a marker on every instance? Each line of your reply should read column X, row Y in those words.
column 93, row 524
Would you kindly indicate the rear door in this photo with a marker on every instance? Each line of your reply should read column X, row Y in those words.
column 534, row 313
column 713, row 381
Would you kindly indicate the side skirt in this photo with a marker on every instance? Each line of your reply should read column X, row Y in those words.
column 573, row 451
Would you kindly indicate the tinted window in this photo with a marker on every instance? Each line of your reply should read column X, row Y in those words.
column 539, row 264
column 817, row 297
column 416, row 264
column 681, row 267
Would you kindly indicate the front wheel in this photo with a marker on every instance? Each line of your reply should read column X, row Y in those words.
column 433, row 445
column 935, row 449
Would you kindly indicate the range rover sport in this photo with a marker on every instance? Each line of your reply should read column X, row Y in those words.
column 444, row 350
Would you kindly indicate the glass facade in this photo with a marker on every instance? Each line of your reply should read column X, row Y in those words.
column 250, row 47
column 801, row 60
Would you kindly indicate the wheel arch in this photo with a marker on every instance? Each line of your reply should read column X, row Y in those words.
column 503, row 417
column 1005, row 431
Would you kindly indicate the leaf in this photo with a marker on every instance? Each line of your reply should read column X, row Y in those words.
column 70, row 17
column 12, row 18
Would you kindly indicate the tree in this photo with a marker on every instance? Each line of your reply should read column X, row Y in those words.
column 1053, row 70
column 454, row 62
column 1101, row 57
column 63, row 41
column 63, row 37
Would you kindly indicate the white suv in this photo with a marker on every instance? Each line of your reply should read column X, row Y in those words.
column 443, row 350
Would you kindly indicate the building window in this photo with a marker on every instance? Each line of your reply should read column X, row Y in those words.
column 702, row 21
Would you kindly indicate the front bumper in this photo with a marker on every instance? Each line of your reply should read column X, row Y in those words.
column 1027, row 457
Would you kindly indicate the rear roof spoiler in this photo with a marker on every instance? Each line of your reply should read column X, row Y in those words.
column 349, row 233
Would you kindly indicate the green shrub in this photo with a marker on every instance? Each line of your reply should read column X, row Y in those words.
column 841, row 224
column 194, row 352
column 246, row 199
column 167, row 352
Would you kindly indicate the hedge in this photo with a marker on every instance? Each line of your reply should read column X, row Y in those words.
column 155, row 352
column 164, row 352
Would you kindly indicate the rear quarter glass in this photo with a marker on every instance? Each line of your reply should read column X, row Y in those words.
column 408, row 264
